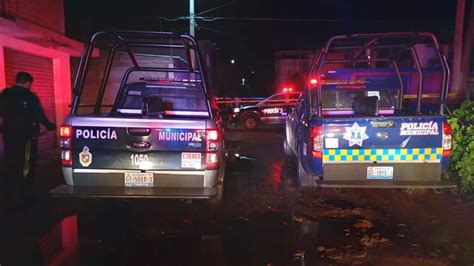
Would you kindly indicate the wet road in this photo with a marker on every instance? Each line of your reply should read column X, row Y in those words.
column 263, row 220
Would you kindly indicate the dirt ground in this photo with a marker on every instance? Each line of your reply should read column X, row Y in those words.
column 263, row 220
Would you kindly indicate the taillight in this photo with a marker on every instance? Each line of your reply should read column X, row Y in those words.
column 212, row 135
column 212, row 161
column 65, row 131
column 447, row 139
column 317, row 141
column 65, row 136
column 212, row 148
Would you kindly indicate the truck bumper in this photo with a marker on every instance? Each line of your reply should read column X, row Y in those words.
column 109, row 183
column 385, row 184
column 422, row 175
column 127, row 192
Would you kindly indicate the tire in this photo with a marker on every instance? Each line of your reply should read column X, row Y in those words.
column 251, row 121
column 287, row 149
column 304, row 180
column 215, row 202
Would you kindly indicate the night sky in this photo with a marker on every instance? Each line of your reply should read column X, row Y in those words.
column 252, row 43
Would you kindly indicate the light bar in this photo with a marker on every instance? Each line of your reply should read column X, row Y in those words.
column 350, row 112
column 168, row 112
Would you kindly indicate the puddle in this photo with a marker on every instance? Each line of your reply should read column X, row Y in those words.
column 339, row 203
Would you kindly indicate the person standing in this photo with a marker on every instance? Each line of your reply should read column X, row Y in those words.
column 22, row 115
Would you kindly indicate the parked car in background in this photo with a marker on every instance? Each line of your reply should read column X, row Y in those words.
column 272, row 110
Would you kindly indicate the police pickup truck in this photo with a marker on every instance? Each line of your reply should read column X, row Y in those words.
column 147, row 126
column 272, row 110
column 355, row 130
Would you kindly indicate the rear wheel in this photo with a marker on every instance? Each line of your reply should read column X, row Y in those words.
column 215, row 202
column 287, row 149
column 251, row 121
column 304, row 179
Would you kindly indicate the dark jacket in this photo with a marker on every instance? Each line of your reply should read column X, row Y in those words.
column 22, row 112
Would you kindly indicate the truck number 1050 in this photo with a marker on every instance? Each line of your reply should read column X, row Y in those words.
column 138, row 159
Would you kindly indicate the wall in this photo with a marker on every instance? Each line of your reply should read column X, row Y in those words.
column 46, row 13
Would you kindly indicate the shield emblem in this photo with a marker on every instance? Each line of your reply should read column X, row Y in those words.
column 85, row 157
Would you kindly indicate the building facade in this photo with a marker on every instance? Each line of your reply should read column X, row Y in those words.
column 32, row 40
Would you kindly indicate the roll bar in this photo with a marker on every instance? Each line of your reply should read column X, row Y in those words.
column 373, row 39
column 153, row 39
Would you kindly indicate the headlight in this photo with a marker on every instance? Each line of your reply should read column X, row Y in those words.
column 236, row 110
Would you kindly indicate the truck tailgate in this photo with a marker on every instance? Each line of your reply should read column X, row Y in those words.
column 385, row 148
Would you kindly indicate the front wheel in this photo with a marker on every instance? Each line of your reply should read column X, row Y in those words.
column 251, row 121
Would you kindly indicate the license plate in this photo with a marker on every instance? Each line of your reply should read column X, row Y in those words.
column 191, row 160
column 138, row 179
column 380, row 172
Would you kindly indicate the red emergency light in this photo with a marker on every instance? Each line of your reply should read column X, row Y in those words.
column 287, row 89
column 313, row 81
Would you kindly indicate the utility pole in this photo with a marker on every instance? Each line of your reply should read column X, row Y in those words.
column 466, row 55
column 192, row 18
column 458, row 47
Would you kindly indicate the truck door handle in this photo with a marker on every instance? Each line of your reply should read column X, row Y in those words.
column 135, row 131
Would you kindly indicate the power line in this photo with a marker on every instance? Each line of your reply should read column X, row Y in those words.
column 274, row 19
column 214, row 8
column 211, row 19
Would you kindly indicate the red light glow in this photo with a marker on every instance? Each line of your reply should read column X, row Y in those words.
column 65, row 131
column 212, row 135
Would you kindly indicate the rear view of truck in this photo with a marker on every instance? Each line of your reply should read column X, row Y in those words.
column 358, row 125
column 142, row 123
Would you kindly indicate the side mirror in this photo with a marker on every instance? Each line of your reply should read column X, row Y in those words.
column 366, row 106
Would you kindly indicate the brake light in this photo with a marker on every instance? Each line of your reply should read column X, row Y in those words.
column 212, row 148
column 313, row 81
column 212, row 135
column 447, row 139
column 65, row 131
column 317, row 141
column 65, row 136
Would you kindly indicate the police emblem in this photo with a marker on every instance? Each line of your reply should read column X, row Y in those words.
column 355, row 135
column 85, row 157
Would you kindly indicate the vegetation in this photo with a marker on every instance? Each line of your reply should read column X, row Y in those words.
column 461, row 166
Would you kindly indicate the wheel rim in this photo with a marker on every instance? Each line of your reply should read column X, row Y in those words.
column 250, row 123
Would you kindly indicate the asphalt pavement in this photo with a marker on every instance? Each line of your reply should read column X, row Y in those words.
column 264, row 219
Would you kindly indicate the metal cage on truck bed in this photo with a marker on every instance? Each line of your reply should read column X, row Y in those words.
column 370, row 51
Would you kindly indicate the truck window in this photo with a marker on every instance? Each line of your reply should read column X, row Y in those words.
column 178, row 99
column 343, row 99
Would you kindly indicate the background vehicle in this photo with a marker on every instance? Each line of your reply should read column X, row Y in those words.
column 150, row 128
column 272, row 110
column 357, row 131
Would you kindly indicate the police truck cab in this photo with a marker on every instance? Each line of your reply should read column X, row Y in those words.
column 143, row 122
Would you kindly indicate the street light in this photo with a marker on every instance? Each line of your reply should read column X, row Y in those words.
column 232, row 61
